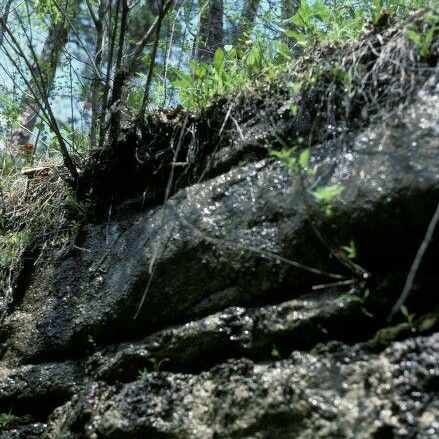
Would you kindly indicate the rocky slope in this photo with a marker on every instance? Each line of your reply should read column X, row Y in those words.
column 242, row 305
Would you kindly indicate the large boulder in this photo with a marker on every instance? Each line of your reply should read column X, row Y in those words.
column 253, row 300
column 244, row 237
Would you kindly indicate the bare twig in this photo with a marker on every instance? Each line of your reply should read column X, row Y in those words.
column 416, row 263
column 145, row 99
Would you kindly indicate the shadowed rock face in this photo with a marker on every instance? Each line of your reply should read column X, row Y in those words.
column 255, row 323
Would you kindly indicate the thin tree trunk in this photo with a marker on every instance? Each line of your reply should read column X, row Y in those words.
column 211, row 32
column 43, row 71
column 97, row 86
column 151, row 67
column 247, row 20
column 119, row 77
column 123, row 70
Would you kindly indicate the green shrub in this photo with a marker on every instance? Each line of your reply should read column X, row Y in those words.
column 232, row 69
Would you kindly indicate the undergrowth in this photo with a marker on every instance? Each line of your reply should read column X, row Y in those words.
column 315, row 26
column 36, row 217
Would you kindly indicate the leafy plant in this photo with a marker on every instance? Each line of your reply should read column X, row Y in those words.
column 353, row 295
column 156, row 366
column 295, row 161
column 351, row 251
column 399, row 8
column 232, row 69
column 408, row 316
column 275, row 352
column 256, row 56
column 287, row 156
column 296, row 86
column 143, row 374
column 11, row 246
column 423, row 40
column 316, row 22
column 326, row 195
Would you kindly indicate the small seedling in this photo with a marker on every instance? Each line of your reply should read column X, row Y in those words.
column 353, row 295
column 274, row 352
column 294, row 162
column 409, row 316
column 327, row 195
column 143, row 374
column 423, row 40
column 287, row 157
column 296, row 86
column 351, row 251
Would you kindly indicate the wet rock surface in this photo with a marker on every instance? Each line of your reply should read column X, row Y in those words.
column 234, row 333
column 37, row 388
column 346, row 393
column 243, row 306
column 219, row 237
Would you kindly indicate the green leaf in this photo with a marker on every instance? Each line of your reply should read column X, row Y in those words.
column 297, row 36
column 294, row 109
column 303, row 15
column 183, row 76
column 274, row 352
column 328, row 193
column 251, row 60
column 321, row 11
column 283, row 50
column 286, row 156
column 296, row 86
column 367, row 313
column 304, row 158
column 351, row 251
column 254, row 57
column 404, row 311
column 218, row 59
column 354, row 298
column 414, row 36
